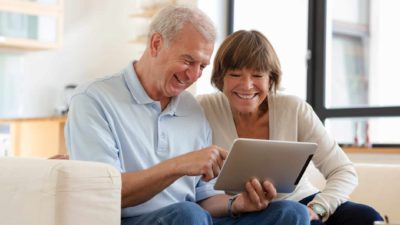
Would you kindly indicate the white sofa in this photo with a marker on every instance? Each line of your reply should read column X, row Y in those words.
column 379, row 187
column 64, row 192
column 58, row 192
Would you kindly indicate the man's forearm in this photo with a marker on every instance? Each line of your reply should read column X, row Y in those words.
column 216, row 205
column 138, row 187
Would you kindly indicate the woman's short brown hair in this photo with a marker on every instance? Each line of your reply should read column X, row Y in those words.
column 246, row 49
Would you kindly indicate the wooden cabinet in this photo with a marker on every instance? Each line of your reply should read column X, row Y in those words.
column 38, row 137
column 31, row 25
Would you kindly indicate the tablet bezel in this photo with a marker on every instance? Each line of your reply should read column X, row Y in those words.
column 281, row 162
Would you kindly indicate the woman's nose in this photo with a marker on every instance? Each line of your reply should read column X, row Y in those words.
column 247, row 82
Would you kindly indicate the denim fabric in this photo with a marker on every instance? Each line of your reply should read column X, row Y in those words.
column 188, row 213
column 282, row 212
column 184, row 213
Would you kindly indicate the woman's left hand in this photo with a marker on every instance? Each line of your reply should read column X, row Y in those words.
column 313, row 215
column 256, row 197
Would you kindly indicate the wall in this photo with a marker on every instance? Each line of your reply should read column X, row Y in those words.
column 96, row 43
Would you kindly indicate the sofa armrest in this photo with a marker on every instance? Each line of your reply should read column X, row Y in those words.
column 59, row 192
column 378, row 186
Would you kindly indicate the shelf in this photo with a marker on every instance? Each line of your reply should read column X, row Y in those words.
column 371, row 150
column 37, row 137
column 28, row 25
column 25, row 44
column 145, row 13
column 31, row 8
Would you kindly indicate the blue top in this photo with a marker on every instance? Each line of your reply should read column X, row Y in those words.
column 113, row 120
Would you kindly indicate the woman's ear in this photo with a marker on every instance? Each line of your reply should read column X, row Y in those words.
column 156, row 43
column 271, row 83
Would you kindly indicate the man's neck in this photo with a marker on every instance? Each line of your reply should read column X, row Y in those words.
column 144, row 77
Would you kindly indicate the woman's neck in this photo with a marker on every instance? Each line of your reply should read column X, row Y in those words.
column 252, row 125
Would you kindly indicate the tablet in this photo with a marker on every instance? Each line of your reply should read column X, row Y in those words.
column 281, row 162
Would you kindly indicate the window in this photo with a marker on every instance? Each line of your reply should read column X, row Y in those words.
column 352, row 72
column 286, row 29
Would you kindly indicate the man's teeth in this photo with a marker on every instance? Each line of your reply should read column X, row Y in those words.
column 177, row 78
column 246, row 96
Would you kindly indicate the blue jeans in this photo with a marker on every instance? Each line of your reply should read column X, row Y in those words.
column 183, row 213
column 188, row 213
column 277, row 213
column 348, row 213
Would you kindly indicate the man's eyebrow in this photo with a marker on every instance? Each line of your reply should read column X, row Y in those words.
column 188, row 57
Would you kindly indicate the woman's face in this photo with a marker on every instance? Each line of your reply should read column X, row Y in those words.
column 246, row 89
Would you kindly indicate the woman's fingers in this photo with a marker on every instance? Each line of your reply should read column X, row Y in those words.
column 269, row 190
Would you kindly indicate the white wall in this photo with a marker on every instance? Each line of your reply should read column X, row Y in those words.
column 96, row 43
column 217, row 10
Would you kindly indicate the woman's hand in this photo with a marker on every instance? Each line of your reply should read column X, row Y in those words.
column 256, row 197
column 313, row 215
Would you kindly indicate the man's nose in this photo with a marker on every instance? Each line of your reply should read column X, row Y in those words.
column 194, row 73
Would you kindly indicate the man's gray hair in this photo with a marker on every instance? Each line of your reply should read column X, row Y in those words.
column 170, row 20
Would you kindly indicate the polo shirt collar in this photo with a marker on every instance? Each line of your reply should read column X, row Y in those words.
column 141, row 97
column 135, row 87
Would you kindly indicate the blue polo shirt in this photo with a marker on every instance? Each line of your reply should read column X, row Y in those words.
column 113, row 120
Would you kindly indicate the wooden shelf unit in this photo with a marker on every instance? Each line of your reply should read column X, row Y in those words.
column 37, row 137
column 55, row 10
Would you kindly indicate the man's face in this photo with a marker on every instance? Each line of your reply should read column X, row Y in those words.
column 181, row 63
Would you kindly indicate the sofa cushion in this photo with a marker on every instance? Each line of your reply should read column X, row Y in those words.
column 59, row 192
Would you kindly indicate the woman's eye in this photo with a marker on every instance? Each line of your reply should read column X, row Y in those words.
column 258, row 75
column 234, row 75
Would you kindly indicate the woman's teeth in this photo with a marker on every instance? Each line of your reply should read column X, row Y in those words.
column 245, row 96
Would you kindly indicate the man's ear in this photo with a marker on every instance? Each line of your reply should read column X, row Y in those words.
column 156, row 43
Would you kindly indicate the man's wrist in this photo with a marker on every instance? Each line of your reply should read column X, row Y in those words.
column 231, row 212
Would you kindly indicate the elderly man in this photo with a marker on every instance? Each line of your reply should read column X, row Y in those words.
column 144, row 123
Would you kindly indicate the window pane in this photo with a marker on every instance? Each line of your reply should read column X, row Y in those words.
column 362, row 42
column 286, row 33
column 17, row 25
column 365, row 131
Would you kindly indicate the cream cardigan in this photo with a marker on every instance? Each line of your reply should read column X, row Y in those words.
column 292, row 119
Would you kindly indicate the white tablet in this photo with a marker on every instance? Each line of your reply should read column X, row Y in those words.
column 281, row 162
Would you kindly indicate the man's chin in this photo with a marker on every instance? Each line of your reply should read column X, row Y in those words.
column 175, row 92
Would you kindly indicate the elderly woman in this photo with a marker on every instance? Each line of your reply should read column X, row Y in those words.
column 247, row 72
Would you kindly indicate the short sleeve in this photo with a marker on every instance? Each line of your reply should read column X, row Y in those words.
column 88, row 134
